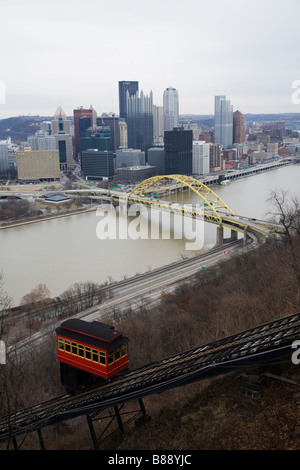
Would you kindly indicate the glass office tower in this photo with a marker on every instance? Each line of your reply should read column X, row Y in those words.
column 171, row 109
column 132, row 88
column 223, row 122
column 140, row 121
column 178, row 152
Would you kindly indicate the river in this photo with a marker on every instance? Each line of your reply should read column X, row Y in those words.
column 63, row 251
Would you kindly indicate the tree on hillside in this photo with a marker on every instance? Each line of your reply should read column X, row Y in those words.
column 36, row 299
column 38, row 294
column 5, row 303
column 286, row 211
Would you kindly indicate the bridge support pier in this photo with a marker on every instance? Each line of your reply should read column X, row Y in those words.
column 245, row 238
column 114, row 421
column 249, row 385
column 220, row 235
column 41, row 440
column 233, row 235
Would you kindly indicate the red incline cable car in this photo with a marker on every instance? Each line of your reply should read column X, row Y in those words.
column 90, row 353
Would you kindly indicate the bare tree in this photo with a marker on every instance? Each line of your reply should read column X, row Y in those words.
column 5, row 304
column 38, row 294
column 286, row 211
column 36, row 300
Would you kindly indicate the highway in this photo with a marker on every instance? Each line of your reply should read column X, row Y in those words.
column 146, row 289
column 142, row 290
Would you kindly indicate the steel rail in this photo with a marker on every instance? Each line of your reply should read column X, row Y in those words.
column 245, row 349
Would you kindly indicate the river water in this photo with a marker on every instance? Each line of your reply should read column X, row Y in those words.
column 63, row 251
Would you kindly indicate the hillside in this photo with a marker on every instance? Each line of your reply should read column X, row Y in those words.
column 20, row 127
column 292, row 120
column 214, row 416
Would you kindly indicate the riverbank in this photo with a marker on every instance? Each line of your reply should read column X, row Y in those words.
column 209, row 181
column 254, row 170
column 69, row 213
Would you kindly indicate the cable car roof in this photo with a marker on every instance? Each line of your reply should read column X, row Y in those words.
column 93, row 333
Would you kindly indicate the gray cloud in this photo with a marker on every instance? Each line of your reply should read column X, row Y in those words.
column 74, row 53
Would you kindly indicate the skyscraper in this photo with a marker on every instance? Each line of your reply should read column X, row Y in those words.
column 60, row 122
column 201, row 158
column 40, row 141
column 4, row 165
column 79, row 113
column 239, row 134
column 158, row 125
column 46, row 127
column 215, row 157
column 178, row 151
column 123, row 134
column 97, row 164
column 140, row 121
column 171, row 109
column 223, row 122
column 96, row 138
column 61, row 131
column 112, row 121
column 132, row 88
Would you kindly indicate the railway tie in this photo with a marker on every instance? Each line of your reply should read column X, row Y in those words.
column 250, row 348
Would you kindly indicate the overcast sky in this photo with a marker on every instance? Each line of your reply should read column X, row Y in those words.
column 73, row 53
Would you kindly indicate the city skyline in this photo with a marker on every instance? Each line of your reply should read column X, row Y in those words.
column 75, row 54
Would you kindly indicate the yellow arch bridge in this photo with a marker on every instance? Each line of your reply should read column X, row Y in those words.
column 148, row 193
column 163, row 192
column 154, row 192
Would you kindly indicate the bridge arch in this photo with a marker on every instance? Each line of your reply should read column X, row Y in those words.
column 210, row 199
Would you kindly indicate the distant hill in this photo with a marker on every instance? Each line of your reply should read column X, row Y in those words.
column 208, row 120
column 202, row 120
column 20, row 127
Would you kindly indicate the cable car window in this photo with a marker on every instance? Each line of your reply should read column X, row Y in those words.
column 110, row 357
column 102, row 358
column 60, row 343
column 67, row 345
column 95, row 355
column 88, row 353
column 117, row 355
column 80, row 351
column 124, row 350
column 74, row 348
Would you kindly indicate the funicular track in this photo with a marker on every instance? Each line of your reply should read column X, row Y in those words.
column 250, row 348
